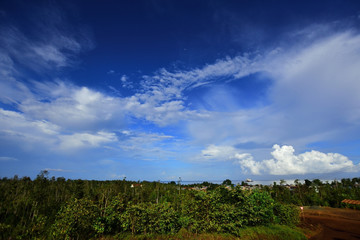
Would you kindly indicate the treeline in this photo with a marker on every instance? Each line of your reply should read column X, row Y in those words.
column 56, row 208
column 317, row 193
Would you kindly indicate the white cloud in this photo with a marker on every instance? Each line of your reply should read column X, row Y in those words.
column 157, row 110
column 313, row 95
column 285, row 162
column 16, row 126
column 8, row 159
column 117, row 176
column 247, row 162
column 125, row 82
column 146, row 146
column 50, row 43
column 124, row 78
column 85, row 140
column 51, row 54
column 39, row 55
column 73, row 108
column 166, row 85
column 218, row 153
column 30, row 133
column 81, row 108
column 56, row 170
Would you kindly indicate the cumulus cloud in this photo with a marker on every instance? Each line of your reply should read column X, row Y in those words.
column 247, row 162
column 66, row 105
column 285, row 162
column 17, row 127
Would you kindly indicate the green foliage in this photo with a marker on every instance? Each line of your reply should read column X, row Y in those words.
column 286, row 214
column 150, row 218
column 78, row 219
column 227, row 182
column 49, row 208
column 260, row 208
column 278, row 232
column 271, row 232
column 113, row 214
column 5, row 231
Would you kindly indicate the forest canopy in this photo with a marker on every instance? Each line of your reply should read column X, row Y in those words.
column 59, row 208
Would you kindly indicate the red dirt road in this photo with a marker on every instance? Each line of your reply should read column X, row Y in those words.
column 333, row 224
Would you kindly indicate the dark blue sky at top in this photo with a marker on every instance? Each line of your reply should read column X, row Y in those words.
column 134, row 36
column 171, row 87
column 139, row 37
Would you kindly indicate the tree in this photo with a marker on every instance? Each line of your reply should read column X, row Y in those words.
column 227, row 182
column 282, row 182
column 307, row 182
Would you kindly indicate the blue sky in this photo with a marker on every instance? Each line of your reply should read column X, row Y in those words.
column 202, row 90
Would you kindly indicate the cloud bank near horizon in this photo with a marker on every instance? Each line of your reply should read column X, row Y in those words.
column 284, row 161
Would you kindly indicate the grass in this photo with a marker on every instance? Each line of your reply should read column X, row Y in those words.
column 272, row 232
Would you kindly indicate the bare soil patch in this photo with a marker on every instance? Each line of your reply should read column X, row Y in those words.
column 331, row 223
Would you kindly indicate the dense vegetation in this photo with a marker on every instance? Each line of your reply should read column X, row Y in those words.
column 49, row 208
column 317, row 193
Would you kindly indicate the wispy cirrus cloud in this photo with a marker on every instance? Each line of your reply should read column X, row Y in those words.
column 56, row 170
column 312, row 97
column 8, row 159
column 51, row 44
column 40, row 55
column 165, row 85
column 147, row 145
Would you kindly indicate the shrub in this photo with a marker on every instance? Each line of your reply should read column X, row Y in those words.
column 286, row 214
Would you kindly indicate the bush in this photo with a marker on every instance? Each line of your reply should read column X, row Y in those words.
column 286, row 214
column 150, row 218
column 76, row 220
column 259, row 208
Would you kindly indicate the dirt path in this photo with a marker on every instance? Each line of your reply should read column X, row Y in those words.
column 333, row 224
